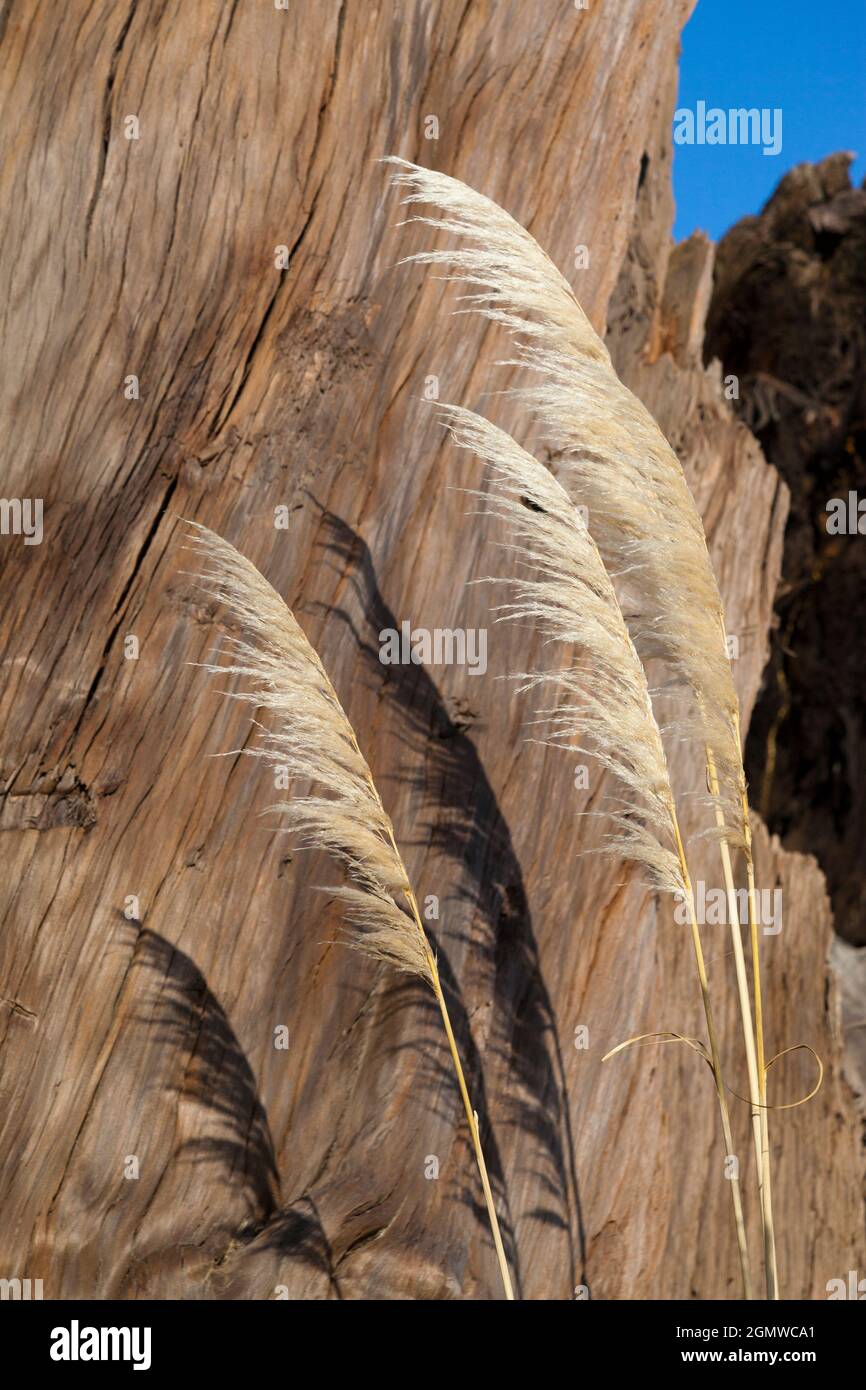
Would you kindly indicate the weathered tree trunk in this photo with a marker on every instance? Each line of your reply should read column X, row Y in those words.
column 155, row 1142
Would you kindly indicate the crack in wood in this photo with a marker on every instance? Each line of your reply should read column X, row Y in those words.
column 106, row 122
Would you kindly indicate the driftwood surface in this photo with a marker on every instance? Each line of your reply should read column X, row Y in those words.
column 154, row 1141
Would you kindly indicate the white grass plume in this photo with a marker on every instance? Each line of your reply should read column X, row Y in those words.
column 614, row 457
column 314, row 742
column 564, row 590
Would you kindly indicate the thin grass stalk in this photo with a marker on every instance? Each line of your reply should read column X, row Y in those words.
column 736, row 1196
column 770, row 1263
column 471, row 1114
column 753, row 1030
column 472, row 1121
column 316, row 743
column 742, row 991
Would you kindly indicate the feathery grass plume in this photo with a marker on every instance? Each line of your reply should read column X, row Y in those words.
column 564, row 589
column 315, row 743
column 615, row 459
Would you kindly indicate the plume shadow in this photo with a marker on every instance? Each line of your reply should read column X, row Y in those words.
column 189, row 1022
column 462, row 820
column 296, row 1234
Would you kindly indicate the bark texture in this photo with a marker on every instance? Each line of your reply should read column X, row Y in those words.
column 155, row 932
column 789, row 318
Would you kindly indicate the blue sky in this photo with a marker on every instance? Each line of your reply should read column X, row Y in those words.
column 807, row 57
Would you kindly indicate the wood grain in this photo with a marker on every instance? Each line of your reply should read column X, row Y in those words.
column 148, row 1031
